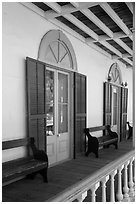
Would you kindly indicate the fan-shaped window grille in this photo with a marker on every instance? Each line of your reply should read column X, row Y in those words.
column 114, row 74
column 55, row 48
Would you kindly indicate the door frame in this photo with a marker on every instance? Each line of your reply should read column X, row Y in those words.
column 56, row 71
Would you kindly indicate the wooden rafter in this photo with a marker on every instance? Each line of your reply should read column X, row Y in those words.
column 130, row 6
column 56, row 7
column 81, row 25
column 66, row 11
column 116, row 19
column 103, row 27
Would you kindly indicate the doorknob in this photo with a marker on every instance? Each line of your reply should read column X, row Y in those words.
column 58, row 135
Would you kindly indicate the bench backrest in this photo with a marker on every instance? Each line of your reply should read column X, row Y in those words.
column 14, row 143
column 98, row 128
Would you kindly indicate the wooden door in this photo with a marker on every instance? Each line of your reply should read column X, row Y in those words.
column 124, row 97
column 36, row 101
column 57, row 106
column 63, row 112
column 79, row 112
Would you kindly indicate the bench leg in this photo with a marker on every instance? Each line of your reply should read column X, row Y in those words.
column 96, row 153
column 87, row 153
column 43, row 173
column 31, row 176
column 116, row 145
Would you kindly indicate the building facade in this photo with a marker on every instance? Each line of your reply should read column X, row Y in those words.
column 31, row 41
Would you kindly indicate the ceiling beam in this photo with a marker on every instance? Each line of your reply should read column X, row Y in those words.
column 126, row 55
column 116, row 18
column 124, row 46
column 130, row 6
column 67, row 9
column 85, row 29
column 75, row 4
column 103, row 27
column 110, row 47
column 62, row 26
column 81, row 26
column 53, row 5
column 97, row 22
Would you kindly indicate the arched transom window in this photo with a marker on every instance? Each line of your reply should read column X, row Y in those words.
column 56, row 48
column 114, row 74
column 58, row 53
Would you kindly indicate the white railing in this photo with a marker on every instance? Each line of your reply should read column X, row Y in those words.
column 125, row 190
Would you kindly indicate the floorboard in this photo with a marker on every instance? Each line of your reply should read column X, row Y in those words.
column 63, row 176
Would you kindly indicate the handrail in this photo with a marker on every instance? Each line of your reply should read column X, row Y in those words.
column 78, row 189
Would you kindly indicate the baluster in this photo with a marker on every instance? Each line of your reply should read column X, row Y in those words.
column 119, row 193
column 131, row 183
column 125, row 188
column 104, row 188
column 82, row 197
column 93, row 192
column 112, row 193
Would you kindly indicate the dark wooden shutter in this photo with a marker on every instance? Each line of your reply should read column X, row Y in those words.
column 107, row 104
column 79, row 112
column 124, row 97
column 36, row 101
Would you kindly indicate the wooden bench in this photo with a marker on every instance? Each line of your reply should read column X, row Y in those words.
column 14, row 169
column 95, row 143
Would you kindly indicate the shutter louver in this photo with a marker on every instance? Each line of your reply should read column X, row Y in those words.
column 36, row 98
column 107, row 103
column 124, row 97
column 79, row 112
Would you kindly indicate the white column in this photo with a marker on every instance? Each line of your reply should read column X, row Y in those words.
column 131, row 183
column 82, row 197
column 112, row 190
column 125, row 188
column 104, row 180
column 93, row 192
column 119, row 193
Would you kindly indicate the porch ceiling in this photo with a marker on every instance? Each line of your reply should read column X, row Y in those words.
column 106, row 27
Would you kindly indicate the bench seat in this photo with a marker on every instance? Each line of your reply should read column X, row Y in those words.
column 105, row 140
column 21, row 167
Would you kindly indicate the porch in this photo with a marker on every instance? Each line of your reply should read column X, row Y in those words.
column 66, row 177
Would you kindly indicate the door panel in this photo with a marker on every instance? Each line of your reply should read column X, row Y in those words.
column 63, row 117
column 57, row 85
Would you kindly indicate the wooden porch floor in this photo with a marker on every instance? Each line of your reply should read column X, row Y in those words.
column 62, row 176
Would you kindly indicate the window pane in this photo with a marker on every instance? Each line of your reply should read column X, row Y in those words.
column 49, row 86
column 115, row 109
column 62, row 88
column 63, row 118
column 49, row 103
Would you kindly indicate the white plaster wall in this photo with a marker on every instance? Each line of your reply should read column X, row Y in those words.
column 22, row 31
